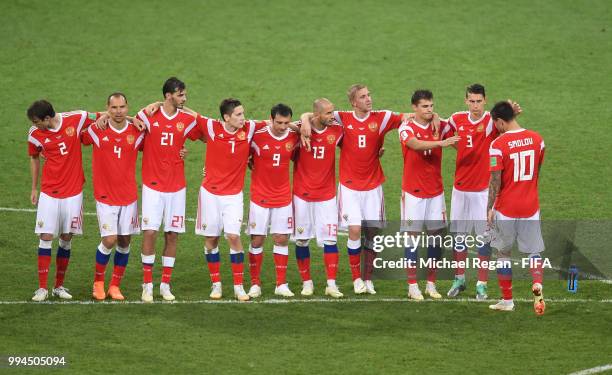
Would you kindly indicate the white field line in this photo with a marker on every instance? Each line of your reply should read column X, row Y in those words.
column 340, row 233
column 275, row 301
column 593, row 370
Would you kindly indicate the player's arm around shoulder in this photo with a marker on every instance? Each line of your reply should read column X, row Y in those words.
column 35, row 173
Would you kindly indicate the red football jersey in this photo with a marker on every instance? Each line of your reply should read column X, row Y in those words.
column 422, row 169
column 162, row 167
column 114, row 163
column 314, row 172
column 360, row 167
column 270, row 186
column 62, row 171
column 518, row 154
column 227, row 155
column 471, row 167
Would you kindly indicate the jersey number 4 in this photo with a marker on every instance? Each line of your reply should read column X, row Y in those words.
column 523, row 171
column 117, row 150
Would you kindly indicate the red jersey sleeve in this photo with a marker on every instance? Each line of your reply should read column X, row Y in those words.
column 86, row 138
column 199, row 131
column 495, row 156
column 542, row 148
column 395, row 121
column 33, row 150
column 446, row 129
column 405, row 134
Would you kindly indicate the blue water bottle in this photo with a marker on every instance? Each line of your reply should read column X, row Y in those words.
column 572, row 279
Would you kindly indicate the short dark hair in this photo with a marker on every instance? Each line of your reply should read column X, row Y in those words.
column 40, row 109
column 172, row 85
column 503, row 110
column 476, row 88
column 421, row 94
column 116, row 94
column 281, row 109
column 228, row 105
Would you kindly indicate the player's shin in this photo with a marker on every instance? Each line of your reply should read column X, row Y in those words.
column 302, row 254
column 255, row 262
column 147, row 268
column 281, row 257
column 504, row 277
column 354, row 253
column 434, row 253
column 237, row 260
column 102, row 258
column 120, row 261
column 61, row 261
column 368, row 260
column 214, row 264
column 484, row 255
column 412, row 256
column 44, row 260
column 330, row 258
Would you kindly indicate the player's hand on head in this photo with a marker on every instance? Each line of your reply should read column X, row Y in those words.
column 515, row 107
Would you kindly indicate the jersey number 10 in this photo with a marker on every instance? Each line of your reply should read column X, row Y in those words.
column 522, row 172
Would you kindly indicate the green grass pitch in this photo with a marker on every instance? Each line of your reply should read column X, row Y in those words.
column 553, row 57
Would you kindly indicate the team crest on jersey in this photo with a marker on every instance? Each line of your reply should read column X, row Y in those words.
column 373, row 126
column 300, row 230
column 480, row 128
column 289, row 146
column 70, row 131
column 40, row 223
column 130, row 139
column 180, row 126
column 241, row 136
column 331, row 139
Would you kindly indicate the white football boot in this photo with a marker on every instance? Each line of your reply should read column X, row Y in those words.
column 147, row 293
column 254, row 291
column 414, row 292
column 240, row 294
column 62, row 293
column 307, row 288
column 431, row 291
column 164, row 291
column 503, row 305
column 40, row 295
column 283, row 290
column 216, row 292
column 359, row 286
column 370, row 287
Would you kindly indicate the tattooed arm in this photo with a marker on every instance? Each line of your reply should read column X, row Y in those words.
column 494, row 185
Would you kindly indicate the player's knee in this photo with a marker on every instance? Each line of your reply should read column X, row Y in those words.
column 109, row 241
column 281, row 239
column 354, row 232
column 257, row 241
column 46, row 237
column 124, row 241
column 302, row 243
column 233, row 239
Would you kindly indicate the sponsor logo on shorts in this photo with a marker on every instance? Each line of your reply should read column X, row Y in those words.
column 105, row 226
column 130, row 139
column 70, row 131
column 204, row 226
column 40, row 223
column 180, row 126
column 145, row 220
column 345, row 217
column 300, row 230
column 373, row 126
column 253, row 225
